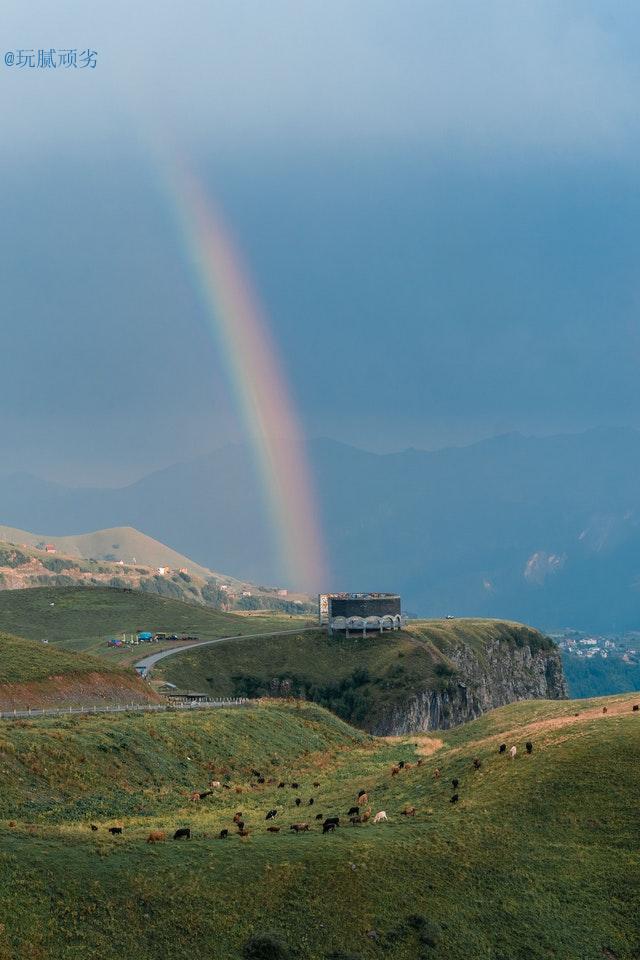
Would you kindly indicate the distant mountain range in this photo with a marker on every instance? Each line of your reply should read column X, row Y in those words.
column 545, row 530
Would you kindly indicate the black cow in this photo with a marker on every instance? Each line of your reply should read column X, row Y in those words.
column 311, row 801
column 260, row 779
column 454, row 798
column 240, row 826
column 328, row 826
column 502, row 748
column 635, row 708
column 223, row 834
column 281, row 785
column 353, row 810
column 361, row 793
column 114, row 830
column 477, row 763
column 319, row 816
column 271, row 815
column 454, row 784
column 294, row 786
column 93, row 826
column 298, row 801
column 529, row 746
column 256, row 773
column 183, row 833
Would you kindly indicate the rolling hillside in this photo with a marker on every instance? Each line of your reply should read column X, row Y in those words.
column 538, row 859
column 124, row 557
column 434, row 674
column 81, row 618
column 37, row 675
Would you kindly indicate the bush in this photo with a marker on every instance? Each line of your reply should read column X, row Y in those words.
column 265, row 946
column 430, row 934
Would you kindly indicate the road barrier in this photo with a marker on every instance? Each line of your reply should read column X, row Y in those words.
column 127, row 708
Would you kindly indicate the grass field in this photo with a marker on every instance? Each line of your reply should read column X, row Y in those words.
column 81, row 618
column 360, row 679
column 537, row 860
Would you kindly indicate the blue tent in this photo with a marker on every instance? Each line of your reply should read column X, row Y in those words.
column 144, row 635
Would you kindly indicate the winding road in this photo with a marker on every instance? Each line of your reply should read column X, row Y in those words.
column 145, row 665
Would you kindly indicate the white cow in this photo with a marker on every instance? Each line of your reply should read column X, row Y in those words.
column 379, row 817
column 512, row 752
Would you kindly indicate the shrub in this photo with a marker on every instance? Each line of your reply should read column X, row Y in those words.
column 265, row 946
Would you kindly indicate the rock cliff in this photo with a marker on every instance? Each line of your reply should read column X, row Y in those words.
column 501, row 673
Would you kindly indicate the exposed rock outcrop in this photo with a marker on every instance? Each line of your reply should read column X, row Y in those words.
column 504, row 673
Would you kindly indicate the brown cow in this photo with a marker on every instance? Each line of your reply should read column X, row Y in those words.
column 299, row 827
column 156, row 836
column 363, row 800
column 437, row 774
column 273, row 829
column 409, row 811
column 395, row 771
column 237, row 817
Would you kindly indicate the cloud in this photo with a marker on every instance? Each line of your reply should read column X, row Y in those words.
column 230, row 73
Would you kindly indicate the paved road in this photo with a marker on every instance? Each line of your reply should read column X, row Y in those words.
column 145, row 665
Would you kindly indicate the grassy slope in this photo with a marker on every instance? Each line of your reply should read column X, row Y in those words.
column 25, row 661
column 538, row 860
column 80, row 618
column 398, row 664
column 123, row 543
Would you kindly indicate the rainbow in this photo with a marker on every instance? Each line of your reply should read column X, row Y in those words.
column 236, row 316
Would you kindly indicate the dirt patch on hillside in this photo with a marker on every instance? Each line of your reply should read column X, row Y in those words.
column 76, row 690
column 424, row 745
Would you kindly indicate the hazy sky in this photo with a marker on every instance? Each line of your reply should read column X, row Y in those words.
column 438, row 202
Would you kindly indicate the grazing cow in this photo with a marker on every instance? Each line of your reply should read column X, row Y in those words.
column 183, row 833
column 156, row 836
column 237, row 817
column 604, row 709
column 395, row 771
column 294, row 786
column 454, row 783
column 223, row 834
column 238, row 789
column 354, row 820
column 195, row 797
column 402, row 764
column 271, row 815
column 363, row 800
column 366, row 815
column 409, row 811
column 477, row 763
column 328, row 826
column 226, row 786
column 93, row 826
column 114, row 830
column 361, row 793
column 204, row 793
column 298, row 801
column 240, row 826
column 273, row 829
column 635, row 707
column 242, row 832
column 334, row 820
column 316, row 783
column 256, row 773
column 512, row 752
column 281, row 785
column 454, row 798
column 502, row 748
column 260, row 779
column 319, row 816
column 216, row 784
column 529, row 746
column 299, row 827
column 311, row 801
column 380, row 816
column 352, row 811
column 436, row 774
column 419, row 762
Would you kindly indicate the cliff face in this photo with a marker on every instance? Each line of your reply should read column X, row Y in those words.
column 505, row 673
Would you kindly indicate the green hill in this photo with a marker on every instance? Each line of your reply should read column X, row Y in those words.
column 80, row 618
column 538, row 859
column 434, row 673
column 37, row 675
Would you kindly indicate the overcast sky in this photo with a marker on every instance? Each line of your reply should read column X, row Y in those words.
column 438, row 202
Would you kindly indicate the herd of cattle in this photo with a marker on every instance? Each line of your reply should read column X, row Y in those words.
column 359, row 813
